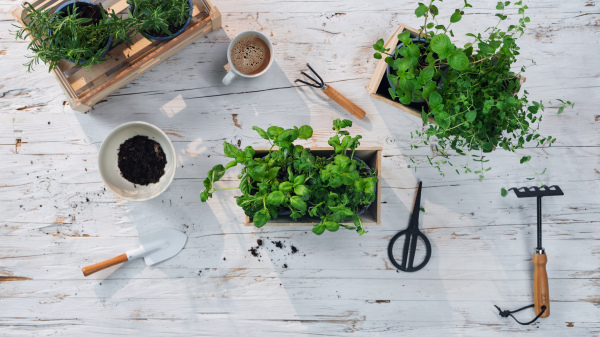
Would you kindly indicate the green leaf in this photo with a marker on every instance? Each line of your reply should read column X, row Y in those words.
column 299, row 180
column 331, row 226
column 285, row 138
column 286, row 186
column 302, row 191
column 402, row 64
column 249, row 153
column 205, row 195
column 440, row 43
column 455, row 17
column 421, row 10
column 503, row 192
column 500, row 6
column 525, row 159
column 424, row 116
column 298, row 203
column 257, row 173
column 319, row 229
column 404, row 37
column 261, row 217
column 458, row 60
column 428, row 89
column 216, row 173
column 413, row 50
column 435, row 99
column 305, row 132
column 274, row 131
column 377, row 56
column 276, row 198
column 230, row 164
column 426, row 74
column 487, row 147
column 230, row 150
column 261, row 132
column 471, row 115
column 272, row 173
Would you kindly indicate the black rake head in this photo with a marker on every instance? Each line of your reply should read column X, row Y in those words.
column 317, row 84
column 534, row 191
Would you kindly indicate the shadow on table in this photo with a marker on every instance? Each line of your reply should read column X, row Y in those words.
column 184, row 97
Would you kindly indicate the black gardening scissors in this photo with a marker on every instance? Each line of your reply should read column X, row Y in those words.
column 412, row 234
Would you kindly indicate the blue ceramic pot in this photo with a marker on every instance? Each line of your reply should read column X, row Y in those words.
column 185, row 25
column 63, row 8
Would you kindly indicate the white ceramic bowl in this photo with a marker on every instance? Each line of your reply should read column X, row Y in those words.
column 108, row 161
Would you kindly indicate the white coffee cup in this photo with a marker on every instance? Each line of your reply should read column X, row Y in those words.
column 233, row 73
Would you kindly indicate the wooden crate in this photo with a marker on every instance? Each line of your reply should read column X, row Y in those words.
column 378, row 85
column 84, row 88
column 371, row 217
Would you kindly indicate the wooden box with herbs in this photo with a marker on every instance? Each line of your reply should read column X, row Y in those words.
column 122, row 39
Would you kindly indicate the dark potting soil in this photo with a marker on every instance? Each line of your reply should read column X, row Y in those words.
column 85, row 10
column 141, row 160
column 254, row 251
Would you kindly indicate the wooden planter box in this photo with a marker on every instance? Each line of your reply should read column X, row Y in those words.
column 371, row 217
column 85, row 88
column 378, row 85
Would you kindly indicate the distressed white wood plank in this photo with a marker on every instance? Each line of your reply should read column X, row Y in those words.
column 56, row 215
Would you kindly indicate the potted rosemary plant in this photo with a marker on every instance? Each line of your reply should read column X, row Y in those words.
column 161, row 19
column 468, row 96
column 78, row 31
column 290, row 178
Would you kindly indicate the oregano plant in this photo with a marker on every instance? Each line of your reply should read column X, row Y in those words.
column 291, row 179
column 471, row 92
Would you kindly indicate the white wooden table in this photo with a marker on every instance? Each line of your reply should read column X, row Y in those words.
column 56, row 215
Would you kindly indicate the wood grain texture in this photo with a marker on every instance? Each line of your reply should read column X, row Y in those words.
column 96, row 267
column 56, row 215
column 344, row 102
column 541, row 292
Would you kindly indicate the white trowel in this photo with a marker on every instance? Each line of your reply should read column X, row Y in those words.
column 154, row 248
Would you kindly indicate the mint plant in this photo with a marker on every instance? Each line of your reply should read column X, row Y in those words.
column 155, row 17
column 290, row 178
column 477, row 107
column 73, row 34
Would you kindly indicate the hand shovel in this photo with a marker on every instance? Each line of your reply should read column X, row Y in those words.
column 155, row 248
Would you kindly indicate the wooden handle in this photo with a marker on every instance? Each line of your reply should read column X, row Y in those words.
column 89, row 270
column 344, row 102
column 541, row 296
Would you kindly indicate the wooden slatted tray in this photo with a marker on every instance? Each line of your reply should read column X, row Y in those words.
column 371, row 217
column 84, row 88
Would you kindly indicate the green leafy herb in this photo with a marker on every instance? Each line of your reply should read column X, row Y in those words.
column 471, row 93
column 71, row 34
column 290, row 178
column 155, row 17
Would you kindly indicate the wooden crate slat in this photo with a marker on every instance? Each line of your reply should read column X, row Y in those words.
column 161, row 53
column 121, row 52
column 85, row 88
